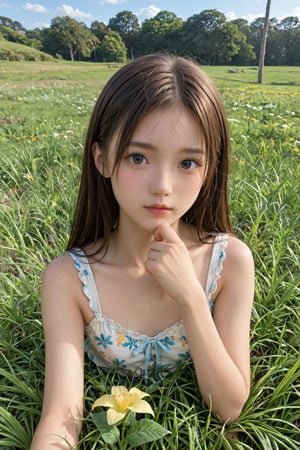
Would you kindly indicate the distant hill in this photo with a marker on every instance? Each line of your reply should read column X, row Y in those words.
column 11, row 51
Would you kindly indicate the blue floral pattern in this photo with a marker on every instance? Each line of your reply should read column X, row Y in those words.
column 103, row 341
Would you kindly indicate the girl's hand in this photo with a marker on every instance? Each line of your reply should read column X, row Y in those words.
column 169, row 262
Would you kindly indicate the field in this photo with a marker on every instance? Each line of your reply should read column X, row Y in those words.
column 44, row 112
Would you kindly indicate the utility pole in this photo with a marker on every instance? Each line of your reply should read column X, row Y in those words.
column 263, row 43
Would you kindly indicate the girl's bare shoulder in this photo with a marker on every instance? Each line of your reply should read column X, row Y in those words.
column 62, row 262
column 238, row 269
column 61, row 285
column 238, row 253
column 60, row 271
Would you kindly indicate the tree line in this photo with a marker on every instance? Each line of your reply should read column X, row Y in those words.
column 207, row 36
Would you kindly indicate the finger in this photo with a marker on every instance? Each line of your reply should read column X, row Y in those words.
column 158, row 246
column 166, row 233
column 157, row 236
column 153, row 255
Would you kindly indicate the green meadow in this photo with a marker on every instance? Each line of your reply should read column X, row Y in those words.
column 44, row 111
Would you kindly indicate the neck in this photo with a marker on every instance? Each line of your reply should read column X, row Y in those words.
column 129, row 245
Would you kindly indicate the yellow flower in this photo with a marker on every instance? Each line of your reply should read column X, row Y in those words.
column 121, row 401
column 120, row 338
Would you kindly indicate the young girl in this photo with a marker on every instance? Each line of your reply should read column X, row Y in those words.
column 152, row 274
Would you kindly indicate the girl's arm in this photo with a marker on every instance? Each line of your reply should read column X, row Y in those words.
column 219, row 344
column 63, row 329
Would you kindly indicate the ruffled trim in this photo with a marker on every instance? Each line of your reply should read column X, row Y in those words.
column 117, row 327
column 86, row 278
column 216, row 265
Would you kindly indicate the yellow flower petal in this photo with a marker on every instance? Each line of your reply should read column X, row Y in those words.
column 137, row 393
column 121, row 401
column 114, row 416
column 105, row 400
column 119, row 390
column 141, row 406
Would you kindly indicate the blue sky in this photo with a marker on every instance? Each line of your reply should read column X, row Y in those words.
column 40, row 14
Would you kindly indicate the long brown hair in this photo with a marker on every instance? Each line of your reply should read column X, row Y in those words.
column 144, row 85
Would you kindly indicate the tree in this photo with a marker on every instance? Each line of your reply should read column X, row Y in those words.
column 197, row 33
column 113, row 47
column 100, row 30
column 67, row 36
column 226, row 42
column 263, row 43
column 210, row 38
column 126, row 24
column 12, row 35
column 246, row 53
column 169, row 26
column 13, row 24
column 289, row 36
column 160, row 33
column 35, row 37
column 256, row 30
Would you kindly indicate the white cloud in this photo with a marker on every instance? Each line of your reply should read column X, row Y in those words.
column 111, row 2
column 147, row 13
column 4, row 5
column 41, row 25
column 251, row 17
column 294, row 13
column 72, row 12
column 35, row 8
column 230, row 15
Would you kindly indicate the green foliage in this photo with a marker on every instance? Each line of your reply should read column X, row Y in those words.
column 126, row 24
column 113, row 48
column 13, row 24
column 144, row 431
column 13, row 34
column 70, row 37
column 43, row 118
column 206, row 35
column 10, row 51
column 133, row 432
column 160, row 33
column 212, row 39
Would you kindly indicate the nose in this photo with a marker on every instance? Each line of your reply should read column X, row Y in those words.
column 161, row 182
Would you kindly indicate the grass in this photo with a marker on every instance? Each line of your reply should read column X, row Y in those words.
column 42, row 125
column 12, row 51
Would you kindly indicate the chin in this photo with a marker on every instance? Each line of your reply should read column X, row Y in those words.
column 153, row 226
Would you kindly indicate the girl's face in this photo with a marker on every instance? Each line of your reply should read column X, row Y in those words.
column 161, row 171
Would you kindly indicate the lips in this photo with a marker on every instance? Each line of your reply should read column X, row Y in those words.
column 158, row 206
column 158, row 209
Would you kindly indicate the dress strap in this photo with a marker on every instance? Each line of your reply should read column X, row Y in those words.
column 216, row 265
column 86, row 276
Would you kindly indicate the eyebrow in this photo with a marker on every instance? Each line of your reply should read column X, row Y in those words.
column 148, row 146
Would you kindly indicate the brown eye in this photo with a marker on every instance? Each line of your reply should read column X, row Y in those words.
column 137, row 158
column 188, row 164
